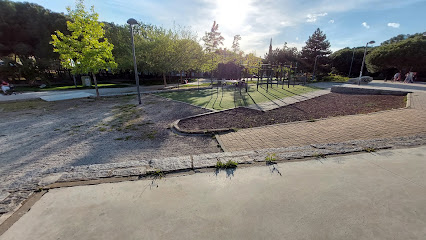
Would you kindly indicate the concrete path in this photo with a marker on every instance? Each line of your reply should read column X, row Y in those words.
column 367, row 196
column 71, row 94
column 386, row 124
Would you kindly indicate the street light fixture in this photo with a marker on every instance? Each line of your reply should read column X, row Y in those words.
column 315, row 66
column 132, row 22
column 363, row 60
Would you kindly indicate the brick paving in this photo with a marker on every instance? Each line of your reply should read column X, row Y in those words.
column 385, row 124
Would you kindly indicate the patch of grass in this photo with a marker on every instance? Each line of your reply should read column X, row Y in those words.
column 271, row 157
column 228, row 164
column 194, row 85
column 118, row 139
column 219, row 99
column 312, row 120
column 102, row 129
column 158, row 174
column 151, row 135
column 369, row 149
column 25, row 105
column 318, row 155
column 127, row 138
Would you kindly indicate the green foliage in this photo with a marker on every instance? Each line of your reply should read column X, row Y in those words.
column 318, row 155
column 316, row 45
column 271, row 157
column 334, row 78
column 85, row 50
column 406, row 55
column 285, row 55
column 228, row 164
column 219, row 99
column 119, row 36
column 25, row 30
column 252, row 63
column 369, row 149
column 341, row 60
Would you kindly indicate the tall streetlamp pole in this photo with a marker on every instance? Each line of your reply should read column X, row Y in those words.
column 132, row 22
column 315, row 66
column 350, row 69
column 363, row 60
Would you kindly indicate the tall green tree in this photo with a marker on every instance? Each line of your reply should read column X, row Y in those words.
column 404, row 55
column 212, row 41
column 341, row 60
column 25, row 30
column 316, row 45
column 85, row 50
column 252, row 64
column 119, row 36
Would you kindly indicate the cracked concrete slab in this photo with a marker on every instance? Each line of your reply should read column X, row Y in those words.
column 365, row 196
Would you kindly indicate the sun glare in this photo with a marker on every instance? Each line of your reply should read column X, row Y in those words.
column 231, row 14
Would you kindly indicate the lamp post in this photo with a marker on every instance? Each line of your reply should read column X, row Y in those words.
column 363, row 60
column 315, row 66
column 352, row 61
column 132, row 22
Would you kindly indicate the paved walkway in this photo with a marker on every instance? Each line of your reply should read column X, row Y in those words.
column 386, row 124
column 71, row 94
column 366, row 196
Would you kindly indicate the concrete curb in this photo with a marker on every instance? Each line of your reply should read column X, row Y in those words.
column 175, row 125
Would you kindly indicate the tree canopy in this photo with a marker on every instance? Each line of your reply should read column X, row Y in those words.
column 316, row 45
column 341, row 60
column 85, row 50
column 405, row 55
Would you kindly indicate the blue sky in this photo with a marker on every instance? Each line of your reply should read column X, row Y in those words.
column 347, row 23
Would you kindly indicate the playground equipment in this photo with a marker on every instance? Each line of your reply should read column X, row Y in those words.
column 283, row 73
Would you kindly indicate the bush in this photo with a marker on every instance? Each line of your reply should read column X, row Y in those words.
column 334, row 78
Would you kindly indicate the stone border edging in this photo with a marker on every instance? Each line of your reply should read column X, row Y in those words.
column 408, row 103
column 175, row 124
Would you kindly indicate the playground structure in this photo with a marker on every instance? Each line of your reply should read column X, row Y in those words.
column 269, row 75
column 282, row 73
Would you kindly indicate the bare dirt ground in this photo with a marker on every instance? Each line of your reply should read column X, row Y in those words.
column 41, row 135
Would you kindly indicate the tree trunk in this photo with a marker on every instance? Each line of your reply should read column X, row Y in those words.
column 164, row 79
column 180, row 78
column 96, row 85
column 75, row 81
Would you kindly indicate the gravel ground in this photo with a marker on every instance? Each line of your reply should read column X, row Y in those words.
column 333, row 104
column 40, row 135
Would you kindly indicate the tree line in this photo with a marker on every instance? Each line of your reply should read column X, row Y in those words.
column 31, row 38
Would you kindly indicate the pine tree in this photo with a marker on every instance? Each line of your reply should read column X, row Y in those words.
column 317, row 45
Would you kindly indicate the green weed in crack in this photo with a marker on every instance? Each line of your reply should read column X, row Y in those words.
column 369, row 149
column 271, row 158
column 228, row 164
